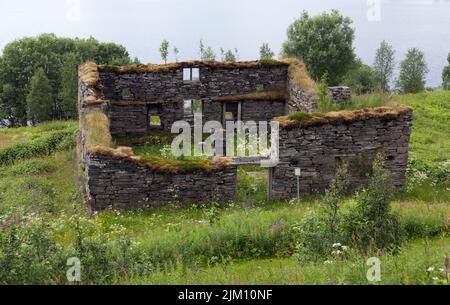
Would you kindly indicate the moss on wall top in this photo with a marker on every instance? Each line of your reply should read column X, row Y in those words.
column 300, row 120
column 254, row 96
column 88, row 73
column 188, row 64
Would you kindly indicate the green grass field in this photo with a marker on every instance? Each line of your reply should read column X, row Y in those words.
column 43, row 223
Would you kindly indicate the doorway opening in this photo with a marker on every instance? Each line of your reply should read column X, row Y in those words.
column 253, row 185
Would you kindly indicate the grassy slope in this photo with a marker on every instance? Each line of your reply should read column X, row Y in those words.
column 9, row 136
column 48, row 184
column 430, row 139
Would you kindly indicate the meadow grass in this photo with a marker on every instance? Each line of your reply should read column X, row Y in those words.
column 409, row 267
column 9, row 136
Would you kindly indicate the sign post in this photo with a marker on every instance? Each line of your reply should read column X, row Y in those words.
column 298, row 173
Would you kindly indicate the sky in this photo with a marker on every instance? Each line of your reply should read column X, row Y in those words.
column 141, row 25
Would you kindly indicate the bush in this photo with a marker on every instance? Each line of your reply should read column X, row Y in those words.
column 361, row 79
column 30, row 253
column 420, row 172
column 370, row 224
column 367, row 225
column 320, row 230
column 44, row 145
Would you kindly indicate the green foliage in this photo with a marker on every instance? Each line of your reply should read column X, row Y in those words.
column 39, row 100
column 319, row 231
column 30, row 167
column 371, row 223
column 43, row 145
column 383, row 65
column 265, row 52
column 229, row 55
column 324, row 101
column 176, row 52
column 206, row 53
column 22, row 58
column 164, row 50
column 360, row 78
column 68, row 87
column 413, row 70
column 429, row 138
column 303, row 116
column 29, row 253
column 446, row 75
column 410, row 267
column 324, row 42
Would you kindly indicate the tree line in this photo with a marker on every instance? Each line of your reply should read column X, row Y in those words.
column 325, row 43
column 38, row 76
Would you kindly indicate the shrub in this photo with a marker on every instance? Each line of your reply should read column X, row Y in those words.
column 370, row 224
column 44, row 145
column 320, row 230
column 29, row 253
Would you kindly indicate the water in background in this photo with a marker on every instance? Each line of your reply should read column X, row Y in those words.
column 141, row 25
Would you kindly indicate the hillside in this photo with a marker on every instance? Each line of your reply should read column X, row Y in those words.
column 43, row 221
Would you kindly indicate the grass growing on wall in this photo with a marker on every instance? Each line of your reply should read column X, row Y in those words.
column 357, row 102
column 96, row 125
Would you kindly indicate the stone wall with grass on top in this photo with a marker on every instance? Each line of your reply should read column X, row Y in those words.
column 168, row 84
column 121, row 183
column 129, row 94
column 319, row 145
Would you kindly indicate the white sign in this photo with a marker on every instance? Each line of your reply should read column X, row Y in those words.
column 298, row 171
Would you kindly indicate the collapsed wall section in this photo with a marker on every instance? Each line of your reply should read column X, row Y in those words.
column 320, row 145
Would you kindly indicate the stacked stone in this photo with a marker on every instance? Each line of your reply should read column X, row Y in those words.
column 262, row 110
column 320, row 149
column 121, row 183
column 340, row 94
column 169, row 85
column 132, row 118
column 299, row 99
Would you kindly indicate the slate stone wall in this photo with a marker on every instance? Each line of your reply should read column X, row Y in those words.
column 133, row 118
column 262, row 110
column 319, row 150
column 121, row 183
column 169, row 85
column 299, row 99
column 340, row 94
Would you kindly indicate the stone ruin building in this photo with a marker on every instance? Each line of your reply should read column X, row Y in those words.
column 136, row 100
